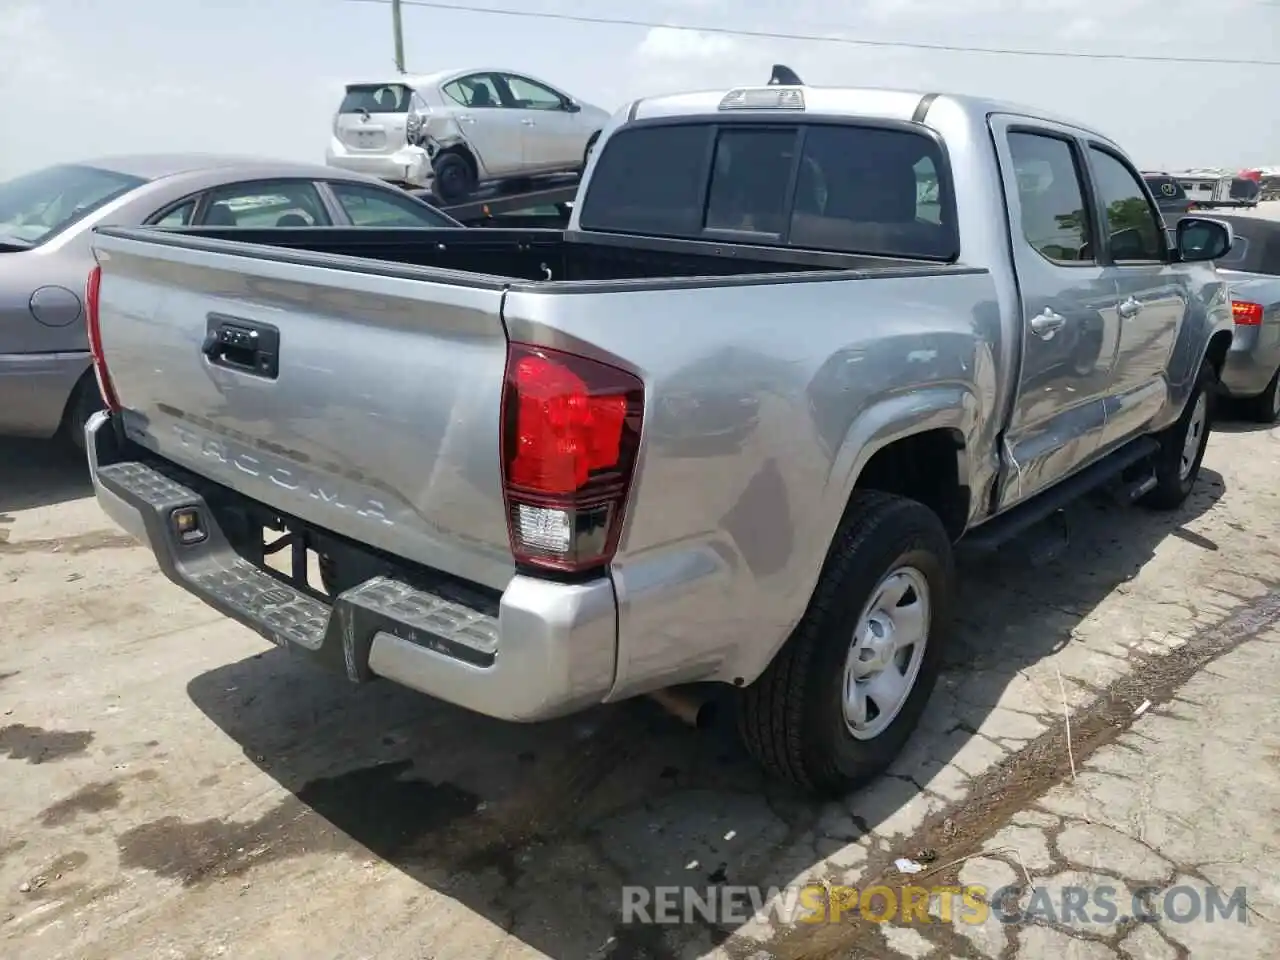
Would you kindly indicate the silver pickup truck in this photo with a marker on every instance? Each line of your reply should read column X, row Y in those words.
column 726, row 428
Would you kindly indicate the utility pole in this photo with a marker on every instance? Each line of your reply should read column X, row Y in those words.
column 399, row 35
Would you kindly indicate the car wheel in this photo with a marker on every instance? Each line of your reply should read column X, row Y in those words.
column 454, row 178
column 1182, row 446
column 844, row 694
column 1265, row 407
column 86, row 400
column 591, row 145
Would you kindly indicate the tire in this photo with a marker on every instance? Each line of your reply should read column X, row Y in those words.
column 793, row 718
column 591, row 145
column 86, row 400
column 454, row 178
column 1175, row 473
column 1265, row 407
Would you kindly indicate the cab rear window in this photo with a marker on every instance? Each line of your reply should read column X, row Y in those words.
column 843, row 188
column 376, row 98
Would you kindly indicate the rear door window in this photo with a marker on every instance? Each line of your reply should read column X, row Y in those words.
column 478, row 90
column 832, row 187
column 376, row 98
column 276, row 204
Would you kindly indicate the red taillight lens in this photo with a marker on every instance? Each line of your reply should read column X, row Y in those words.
column 571, row 431
column 1246, row 314
column 92, row 290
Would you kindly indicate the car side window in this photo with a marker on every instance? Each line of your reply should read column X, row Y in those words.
column 179, row 216
column 287, row 203
column 1134, row 230
column 372, row 207
column 1055, row 219
column 477, row 90
column 528, row 95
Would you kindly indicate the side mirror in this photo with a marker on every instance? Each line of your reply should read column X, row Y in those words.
column 572, row 106
column 1199, row 239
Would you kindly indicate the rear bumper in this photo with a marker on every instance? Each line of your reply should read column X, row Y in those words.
column 409, row 165
column 34, row 390
column 548, row 649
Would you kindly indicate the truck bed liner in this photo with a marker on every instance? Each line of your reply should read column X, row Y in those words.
column 524, row 254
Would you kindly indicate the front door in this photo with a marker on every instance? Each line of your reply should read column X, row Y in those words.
column 1153, row 295
column 1068, row 304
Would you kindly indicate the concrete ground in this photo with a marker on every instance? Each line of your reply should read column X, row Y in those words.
column 170, row 786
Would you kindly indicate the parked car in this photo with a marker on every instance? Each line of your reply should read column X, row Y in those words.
column 1170, row 197
column 453, row 131
column 498, row 463
column 1252, row 269
column 46, row 219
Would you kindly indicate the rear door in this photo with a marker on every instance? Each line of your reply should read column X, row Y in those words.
column 371, row 118
column 1068, row 304
column 490, row 126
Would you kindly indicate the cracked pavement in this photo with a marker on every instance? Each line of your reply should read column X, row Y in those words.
column 173, row 787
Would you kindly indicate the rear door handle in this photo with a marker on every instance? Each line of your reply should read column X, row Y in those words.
column 1046, row 324
column 1129, row 308
column 242, row 345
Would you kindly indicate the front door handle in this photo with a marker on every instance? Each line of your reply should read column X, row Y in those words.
column 1129, row 308
column 466, row 118
column 1046, row 324
column 529, row 123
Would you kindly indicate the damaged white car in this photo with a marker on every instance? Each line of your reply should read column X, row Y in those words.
column 453, row 131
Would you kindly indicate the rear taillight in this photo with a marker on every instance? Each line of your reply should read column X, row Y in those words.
column 571, row 431
column 92, row 289
column 1246, row 314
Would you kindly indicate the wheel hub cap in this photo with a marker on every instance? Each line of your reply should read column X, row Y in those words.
column 886, row 652
column 1195, row 432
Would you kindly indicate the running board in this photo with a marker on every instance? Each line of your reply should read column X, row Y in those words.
column 998, row 531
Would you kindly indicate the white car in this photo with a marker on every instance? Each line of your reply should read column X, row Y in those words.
column 455, row 130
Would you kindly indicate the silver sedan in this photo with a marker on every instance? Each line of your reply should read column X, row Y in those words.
column 47, row 386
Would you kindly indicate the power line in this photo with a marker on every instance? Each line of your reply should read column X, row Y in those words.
column 816, row 38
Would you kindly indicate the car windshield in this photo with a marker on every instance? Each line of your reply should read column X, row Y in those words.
column 36, row 206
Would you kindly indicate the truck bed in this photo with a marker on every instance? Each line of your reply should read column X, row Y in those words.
column 526, row 254
column 370, row 403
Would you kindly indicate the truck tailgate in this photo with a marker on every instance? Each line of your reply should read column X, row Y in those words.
column 375, row 415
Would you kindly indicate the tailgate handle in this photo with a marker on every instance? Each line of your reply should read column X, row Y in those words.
column 243, row 345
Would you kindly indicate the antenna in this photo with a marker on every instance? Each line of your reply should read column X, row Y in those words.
column 784, row 76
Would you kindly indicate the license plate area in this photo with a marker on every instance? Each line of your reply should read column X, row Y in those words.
column 289, row 554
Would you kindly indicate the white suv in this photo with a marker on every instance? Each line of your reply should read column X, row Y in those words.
column 450, row 132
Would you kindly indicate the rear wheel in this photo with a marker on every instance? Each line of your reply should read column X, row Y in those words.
column 841, row 699
column 454, row 178
column 85, row 401
column 591, row 145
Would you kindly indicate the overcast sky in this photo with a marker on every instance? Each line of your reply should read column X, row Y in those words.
column 79, row 78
